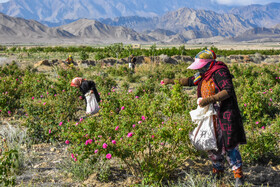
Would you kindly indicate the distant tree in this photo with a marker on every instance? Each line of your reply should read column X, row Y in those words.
column 153, row 49
column 83, row 55
column 182, row 49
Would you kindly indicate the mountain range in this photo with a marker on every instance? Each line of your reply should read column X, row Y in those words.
column 54, row 11
column 184, row 25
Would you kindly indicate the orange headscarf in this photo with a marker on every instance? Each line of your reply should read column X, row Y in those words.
column 76, row 82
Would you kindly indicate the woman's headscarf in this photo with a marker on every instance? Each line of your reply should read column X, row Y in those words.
column 76, row 82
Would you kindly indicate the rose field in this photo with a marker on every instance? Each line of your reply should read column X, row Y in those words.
column 141, row 134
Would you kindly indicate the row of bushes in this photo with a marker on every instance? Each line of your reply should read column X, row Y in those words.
column 121, row 51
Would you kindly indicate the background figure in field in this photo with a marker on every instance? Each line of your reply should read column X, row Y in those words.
column 69, row 60
column 85, row 86
column 214, row 85
column 132, row 63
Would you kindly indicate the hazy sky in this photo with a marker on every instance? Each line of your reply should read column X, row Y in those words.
column 226, row 2
column 245, row 2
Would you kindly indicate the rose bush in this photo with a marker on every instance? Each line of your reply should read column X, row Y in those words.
column 143, row 124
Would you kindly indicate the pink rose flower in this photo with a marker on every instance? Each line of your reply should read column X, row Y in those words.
column 96, row 151
column 67, row 142
column 105, row 146
column 143, row 118
column 108, row 156
column 117, row 127
column 114, row 141
column 133, row 125
column 129, row 91
column 139, row 122
column 32, row 97
column 122, row 108
column 90, row 141
column 245, row 104
column 129, row 134
column 136, row 97
column 50, row 131
column 257, row 122
column 60, row 123
column 161, row 82
column 72, row 155
column 263, row 127
column 75, row 159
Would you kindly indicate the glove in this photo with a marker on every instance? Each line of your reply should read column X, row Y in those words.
column 182, row 81
column 221, row 96
column 168, row 81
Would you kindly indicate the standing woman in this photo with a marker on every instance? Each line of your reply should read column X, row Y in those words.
column 85, row 86
column 214, row 85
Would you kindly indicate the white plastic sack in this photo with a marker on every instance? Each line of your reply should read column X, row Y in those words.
column 92, row 105
column 203, row 136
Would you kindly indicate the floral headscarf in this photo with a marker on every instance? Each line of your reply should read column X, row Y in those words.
column 76, row 82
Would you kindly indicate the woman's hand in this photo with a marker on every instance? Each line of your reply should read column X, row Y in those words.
column 91, row 91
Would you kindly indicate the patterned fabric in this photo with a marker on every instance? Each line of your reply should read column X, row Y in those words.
column 207, row 88
column 233, row 156
column 197, row 78
column 76, row 82
column 228, row 118
column 206, row 54
column 203, row 58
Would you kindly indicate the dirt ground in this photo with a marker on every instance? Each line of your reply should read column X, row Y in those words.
column 42, row 169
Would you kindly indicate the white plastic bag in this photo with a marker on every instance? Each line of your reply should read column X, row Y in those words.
column 92, row 105
column 203, row 136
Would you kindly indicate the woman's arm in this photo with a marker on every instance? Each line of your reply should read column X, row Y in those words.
column 183, row 81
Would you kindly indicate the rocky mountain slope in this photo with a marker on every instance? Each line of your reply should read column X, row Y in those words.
column 91, row 29
column 261, row 15
column 18, row 30
column 260, row 34
column 20, row 27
